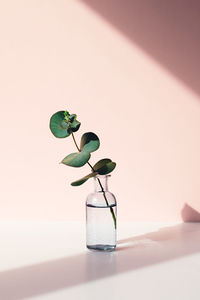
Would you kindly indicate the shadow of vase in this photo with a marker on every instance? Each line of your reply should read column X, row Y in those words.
column 132, row 253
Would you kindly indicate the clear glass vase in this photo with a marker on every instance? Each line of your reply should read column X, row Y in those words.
column 101, row 209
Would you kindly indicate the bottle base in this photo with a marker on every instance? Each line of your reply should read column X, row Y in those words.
column 100, row 247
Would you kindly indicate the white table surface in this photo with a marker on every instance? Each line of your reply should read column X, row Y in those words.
column 48, row 260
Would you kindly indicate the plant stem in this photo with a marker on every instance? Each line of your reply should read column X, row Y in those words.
column 79, row 150
column 111, row 209
column 102, row 189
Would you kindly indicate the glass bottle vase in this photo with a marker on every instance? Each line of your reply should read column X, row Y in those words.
column 101, row 214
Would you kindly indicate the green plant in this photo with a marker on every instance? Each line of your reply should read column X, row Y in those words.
column 63, row 124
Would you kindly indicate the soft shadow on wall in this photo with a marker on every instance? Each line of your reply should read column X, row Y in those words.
column 189, row 214
column 166, row 30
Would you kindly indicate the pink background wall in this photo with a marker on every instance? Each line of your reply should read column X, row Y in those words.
column 143, row 104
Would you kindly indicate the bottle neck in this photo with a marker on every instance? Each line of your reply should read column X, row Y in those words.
column 101, row 182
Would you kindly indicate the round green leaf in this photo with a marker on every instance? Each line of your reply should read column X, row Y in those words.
column 84, row 179
column 72, row 117
column 104, row 166
column 75, row 125
column 107, row 169
column 59, row 127
column 101, row 163
column 77, row 159
column 89, row 142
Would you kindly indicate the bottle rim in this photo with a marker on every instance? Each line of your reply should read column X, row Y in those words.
column 102, row 176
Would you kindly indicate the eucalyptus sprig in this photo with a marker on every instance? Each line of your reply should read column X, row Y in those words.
column 64, row 124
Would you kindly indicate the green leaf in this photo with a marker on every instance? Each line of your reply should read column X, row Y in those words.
column 101, row 163
column 89, row 142
column 59, row 127
column 75, row 125
column 84, row 179
column 72, row 117
column 104, row 166
column 67, row 115
column 62, row 124
column 107, row 169
column 77, row 159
